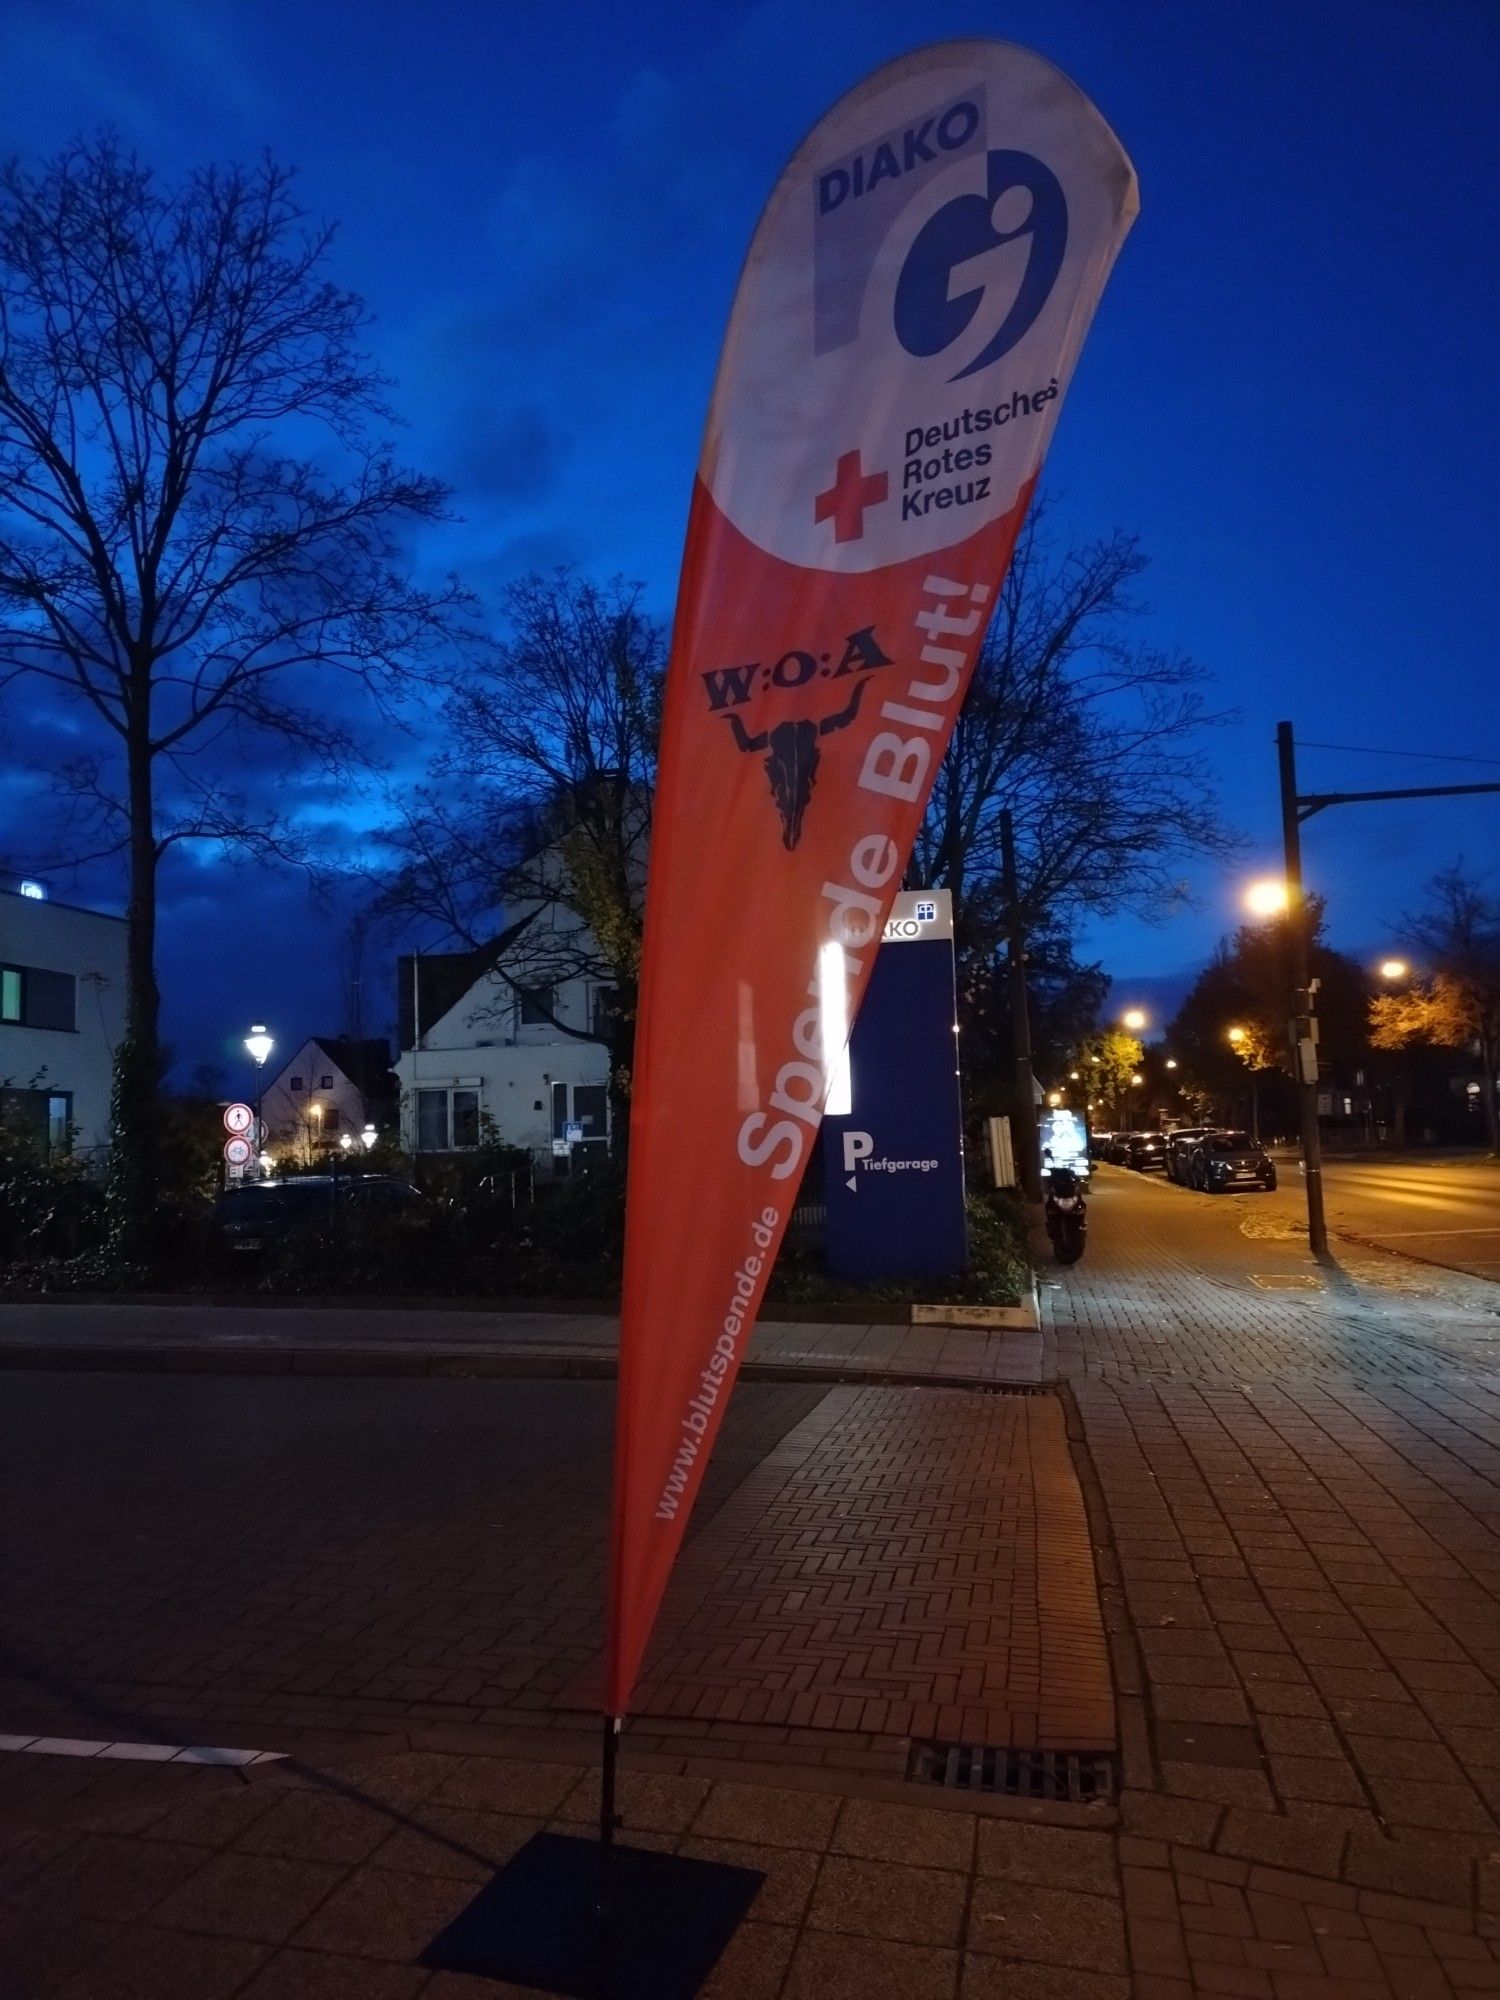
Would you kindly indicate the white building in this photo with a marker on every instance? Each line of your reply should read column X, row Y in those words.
column 498, row 1046
column 62, row 1016
column 327, row 1093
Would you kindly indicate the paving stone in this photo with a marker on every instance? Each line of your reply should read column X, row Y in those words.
column 789, row 1871
column 828, row 1967
column 108, row 1878
column 256, row 1896
column 878, row 1899
column 1054, row 1856
column 496, row 1784
column 453, row 1841
column 767, row 1816
column 316, row 1975
column 922, row 1837
column 318, row 1826
column 1060, row 1927
column 377, row 1913
column 754, row 1964
column 147, row 1964
column 986, row 1978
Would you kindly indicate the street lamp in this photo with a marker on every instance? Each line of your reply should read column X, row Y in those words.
column 1394, row 968
column 1133, row 1018
column 1267, row 898
column 1236, row 1035
column 1171, row 1062
column 346, row 1143
column 1073, row 1076
column 1136, row 1079
column 367, row 1137
column 258, row 1046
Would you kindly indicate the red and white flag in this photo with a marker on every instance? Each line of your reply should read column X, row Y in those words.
column 906, row 325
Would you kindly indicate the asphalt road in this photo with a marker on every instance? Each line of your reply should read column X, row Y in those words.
column 1443, row 1211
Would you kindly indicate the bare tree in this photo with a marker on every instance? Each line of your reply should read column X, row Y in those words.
column 1088, row 737
column 1458, row 1005
column 197, row 507
column 542, row 810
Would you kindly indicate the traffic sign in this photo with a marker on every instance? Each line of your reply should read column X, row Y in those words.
column 238, row 1118
column 237, row 1152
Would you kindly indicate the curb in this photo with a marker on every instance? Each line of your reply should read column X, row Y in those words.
column 180, row 1358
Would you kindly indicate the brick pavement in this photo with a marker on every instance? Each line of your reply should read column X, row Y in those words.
column 1291, row 1499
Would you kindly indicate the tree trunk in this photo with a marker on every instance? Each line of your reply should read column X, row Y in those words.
column 134, row 1165
column 1491, row 1109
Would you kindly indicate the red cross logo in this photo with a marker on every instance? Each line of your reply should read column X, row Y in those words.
column 846, row 500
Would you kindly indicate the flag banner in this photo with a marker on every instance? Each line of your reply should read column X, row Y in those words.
column 906, row 324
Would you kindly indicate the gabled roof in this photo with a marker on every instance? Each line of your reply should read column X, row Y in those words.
column 366, row 1063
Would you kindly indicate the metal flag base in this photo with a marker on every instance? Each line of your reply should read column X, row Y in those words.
column 539, row 1923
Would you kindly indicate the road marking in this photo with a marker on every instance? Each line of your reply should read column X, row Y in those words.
column 138, row 1753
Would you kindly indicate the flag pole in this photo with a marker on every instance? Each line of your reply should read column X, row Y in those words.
column 608, row 1818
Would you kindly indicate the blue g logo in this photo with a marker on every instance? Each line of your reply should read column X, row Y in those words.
column 948, row 268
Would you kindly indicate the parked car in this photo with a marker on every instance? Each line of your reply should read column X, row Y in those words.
column 1099, row 1145
column 1147, row 1153
column 1180, row 1142
column 1222, row 1161
column 263, row 1213
column 1118, row 1150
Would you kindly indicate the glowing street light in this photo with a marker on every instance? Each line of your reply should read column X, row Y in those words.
column 1237, row 1035
column 346, row 1143
column 1137, row 1079
column 1171, row 1062
column 367, row 1137
column 258, row 1046
column 1054, row 1098
column 1267, row 898
column 1073, row 1076
column 1394, row 968
column 1133, row 1018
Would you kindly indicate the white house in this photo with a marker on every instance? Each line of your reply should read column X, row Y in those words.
column 497, row 1045
column 325, row 1095
column 62, row 1016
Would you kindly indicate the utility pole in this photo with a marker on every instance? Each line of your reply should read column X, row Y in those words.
column 1027, row 1141
column 1304, row 1026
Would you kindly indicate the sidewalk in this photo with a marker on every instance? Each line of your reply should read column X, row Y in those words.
column 1290, row 1473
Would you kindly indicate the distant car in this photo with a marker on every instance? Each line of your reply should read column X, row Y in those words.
column 1226, row 1161
column 1099, row 1145
column 1180, row 1141
column 1118, row 1150
column 268, row 1212
column 1147, row 1153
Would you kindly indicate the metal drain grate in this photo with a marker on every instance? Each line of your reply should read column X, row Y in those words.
column 1080, row 1777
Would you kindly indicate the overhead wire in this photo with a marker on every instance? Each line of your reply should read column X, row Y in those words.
column 1421, row 756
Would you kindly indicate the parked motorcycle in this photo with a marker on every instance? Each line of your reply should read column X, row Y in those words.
column 1066, row 1214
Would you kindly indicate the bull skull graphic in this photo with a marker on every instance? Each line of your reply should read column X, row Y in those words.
column 792, row 764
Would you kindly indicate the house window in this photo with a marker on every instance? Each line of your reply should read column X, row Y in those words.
column 465, row 1118
column 325, row 1083
column 60, row 1122
column 330, row 1121
column 447, row 1120
column 33, row 998
column 603, row 1001
column 432, row 1121
column 538, row 1007
column 296, row 1083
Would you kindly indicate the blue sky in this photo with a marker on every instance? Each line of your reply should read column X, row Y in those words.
column 1290, row 390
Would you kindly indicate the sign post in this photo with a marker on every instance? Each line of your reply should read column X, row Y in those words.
column 893, row 1166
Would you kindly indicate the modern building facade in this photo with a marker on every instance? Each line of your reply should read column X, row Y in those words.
column 62, row 1016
